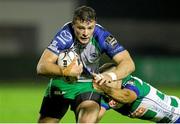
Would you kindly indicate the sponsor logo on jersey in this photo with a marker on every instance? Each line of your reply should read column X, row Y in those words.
column 111, row 40
column 93, row 55
column 53, row 46
column 64, row 37
column 131, row 82
column 59, row 92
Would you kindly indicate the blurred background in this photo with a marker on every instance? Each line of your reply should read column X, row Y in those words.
column 148, row 29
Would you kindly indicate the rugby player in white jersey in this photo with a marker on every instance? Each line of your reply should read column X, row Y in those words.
column 137, row 99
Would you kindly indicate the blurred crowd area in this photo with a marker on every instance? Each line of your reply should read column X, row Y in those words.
column 149, row 29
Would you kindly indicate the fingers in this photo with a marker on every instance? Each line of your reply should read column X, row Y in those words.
column 103, row 81
column 78, row 64
column 97, row 87
column 80, row 68
column 114, row 84
column 74, row 61
column 113, row 103
column 98, row 78
column 139, row 112
column 101, row 78
column 74, row 69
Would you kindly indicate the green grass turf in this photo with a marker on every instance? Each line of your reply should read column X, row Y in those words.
column 20, row 103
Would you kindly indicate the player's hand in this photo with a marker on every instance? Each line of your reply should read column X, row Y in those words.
column 138, row 113
column 102, row 78
column 114, row 84
column 97, row 87
column 115, row 105
column 74, row 69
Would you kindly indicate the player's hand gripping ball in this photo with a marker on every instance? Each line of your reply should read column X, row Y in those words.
column 66, row 60
column 66, row 57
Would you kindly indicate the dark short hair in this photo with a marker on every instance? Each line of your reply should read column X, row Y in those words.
column 84, row 13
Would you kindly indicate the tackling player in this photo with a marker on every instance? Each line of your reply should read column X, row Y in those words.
column 137, row 99
column 89, row 40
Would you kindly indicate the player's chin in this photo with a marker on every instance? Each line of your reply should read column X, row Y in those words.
column 84, row 41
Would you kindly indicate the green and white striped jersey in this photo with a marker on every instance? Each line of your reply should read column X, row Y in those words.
column 157, row 106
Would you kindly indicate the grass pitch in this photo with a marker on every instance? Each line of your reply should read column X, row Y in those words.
column 20, row 103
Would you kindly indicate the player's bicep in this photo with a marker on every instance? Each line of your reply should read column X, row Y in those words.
column 48, row 56
column 122, row 56
column 125, row 64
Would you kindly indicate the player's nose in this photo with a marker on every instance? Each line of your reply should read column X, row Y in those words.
column 85, row 33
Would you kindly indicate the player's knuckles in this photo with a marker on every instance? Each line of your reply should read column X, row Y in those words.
column 72, row 72
column 107, row 78
column 75, row 59
column 102, row 81
column 138, row 113
column 96, row 86
column 98, row 81
column 67, row 71
column 132, row 115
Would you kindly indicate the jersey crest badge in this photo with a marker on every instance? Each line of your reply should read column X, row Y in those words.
column 111, row 40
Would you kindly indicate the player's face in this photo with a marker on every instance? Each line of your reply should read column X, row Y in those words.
column 84, row 30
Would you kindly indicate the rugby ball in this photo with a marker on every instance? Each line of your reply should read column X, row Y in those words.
column 66, row 57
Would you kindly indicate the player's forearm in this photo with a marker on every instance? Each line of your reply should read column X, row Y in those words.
column 124, row 69
column 47, row 64
column 125, row 64
column 49, row 69
column 120, row 95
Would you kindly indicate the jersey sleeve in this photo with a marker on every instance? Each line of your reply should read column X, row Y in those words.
column 107, row 42
column 132, row 88
column 130, row 84
column 62, row 40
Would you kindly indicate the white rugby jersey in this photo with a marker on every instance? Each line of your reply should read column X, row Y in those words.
column 158, row 107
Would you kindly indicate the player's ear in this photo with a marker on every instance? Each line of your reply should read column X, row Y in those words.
column 73, row 25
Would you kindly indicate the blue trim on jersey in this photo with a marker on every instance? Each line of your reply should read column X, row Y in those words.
column 63, row 39
column 67, row 35
column 52, row 51
column 177, row 121
column 100, row 34
column 106, row 106
column 133, row 88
